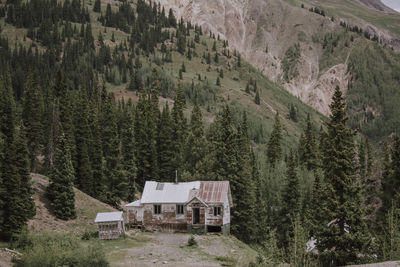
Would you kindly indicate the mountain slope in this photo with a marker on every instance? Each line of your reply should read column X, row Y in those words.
column 268, row 32
column 86, row 208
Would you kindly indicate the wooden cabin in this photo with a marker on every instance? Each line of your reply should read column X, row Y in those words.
column 194, row 207
column 111, row 224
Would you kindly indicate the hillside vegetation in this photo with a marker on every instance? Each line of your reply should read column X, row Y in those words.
column 103, row 96
column 136, row 249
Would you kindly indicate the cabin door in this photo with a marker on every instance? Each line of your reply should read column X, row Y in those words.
column 196, row 215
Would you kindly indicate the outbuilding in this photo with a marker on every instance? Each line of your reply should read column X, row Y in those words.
column 111, row 224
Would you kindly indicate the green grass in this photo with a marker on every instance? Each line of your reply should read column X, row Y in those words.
column 226, row 261
column 355, row 12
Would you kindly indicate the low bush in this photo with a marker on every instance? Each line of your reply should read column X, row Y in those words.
column 46, row 250
column 192, row 242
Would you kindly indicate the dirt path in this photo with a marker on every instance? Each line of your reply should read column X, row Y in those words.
column 167, row 249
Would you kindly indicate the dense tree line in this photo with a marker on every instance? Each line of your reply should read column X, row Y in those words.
column 58, row 119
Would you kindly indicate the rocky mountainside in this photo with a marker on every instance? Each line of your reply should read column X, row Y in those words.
column 263, row 31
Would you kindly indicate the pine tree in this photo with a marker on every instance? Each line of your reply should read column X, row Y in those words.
column 65, row 115
column 244, row 222
column 218, row 82
column 346, row 236
column 179, row 126
column 310, row 155
column 216, row 58
column 146, row 139
column 116, row 181
column 247, row 90
column 3, row 167
column 96, row 154
column 196, row 143
column 128, row 151
column 290, row 203
column 257, row 98
column 274, row 144
column 60, row 190
column 97, row 6
column 165, row 146
column 32, row 118
column 19, row 206
column 261, row 204
column 7, row 108
column 214, row 47
column 171, row 18
column 314, row 217
column 83, row 169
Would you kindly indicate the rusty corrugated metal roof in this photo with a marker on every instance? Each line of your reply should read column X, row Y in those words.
column 207, row 191
column 213, row 191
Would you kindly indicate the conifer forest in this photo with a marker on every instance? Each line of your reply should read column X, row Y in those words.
column 104, row 97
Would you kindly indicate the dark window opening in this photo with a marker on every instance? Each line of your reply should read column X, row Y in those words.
column 214, row 229
column 157, row 209
column 196, row 216
column 217, row 211
column 179, row 209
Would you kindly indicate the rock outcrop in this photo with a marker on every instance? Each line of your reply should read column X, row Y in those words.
column 262, row 31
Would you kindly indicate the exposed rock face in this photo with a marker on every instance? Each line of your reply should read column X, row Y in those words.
column 262, row 31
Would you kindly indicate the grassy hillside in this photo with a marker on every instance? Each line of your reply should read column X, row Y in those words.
column 355, row 12
column 137, row 248
column 86, row 208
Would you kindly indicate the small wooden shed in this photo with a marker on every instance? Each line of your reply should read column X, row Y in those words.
column 111, row 224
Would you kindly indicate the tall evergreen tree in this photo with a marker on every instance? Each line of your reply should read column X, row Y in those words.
column 309, row 158
column 257, row 98
column 345, row 237
column 290, row 202
column 261, row 204
column 165, row 147
column 179, row 126
column 19, row 206
column 83, row 169
column 7, row 108
column 97, row 6
column 61, row 190
column 96, row 153
column 196, row 143
column 65, row 111
column 145, row 136
column 116, row 183
column 32, row 118
column 128, row 150
column 244, row 222
column 274, row 144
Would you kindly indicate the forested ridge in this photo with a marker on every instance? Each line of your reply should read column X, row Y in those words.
column 59, row 118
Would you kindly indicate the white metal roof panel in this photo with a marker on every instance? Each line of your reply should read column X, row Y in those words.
column 108, row 216
column 136, row 203
column 155, row 192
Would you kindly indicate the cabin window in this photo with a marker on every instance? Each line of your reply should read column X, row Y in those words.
column 157, row 209
column 217, row 211
column 179, row 209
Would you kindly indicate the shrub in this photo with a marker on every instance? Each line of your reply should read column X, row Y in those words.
column 87, row 235
column 60, row 250
column 192, row 242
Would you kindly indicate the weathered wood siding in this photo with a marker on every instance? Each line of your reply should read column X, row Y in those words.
column 135, row 215
column 168, row 220
column 214, row 219
column 111, row 230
